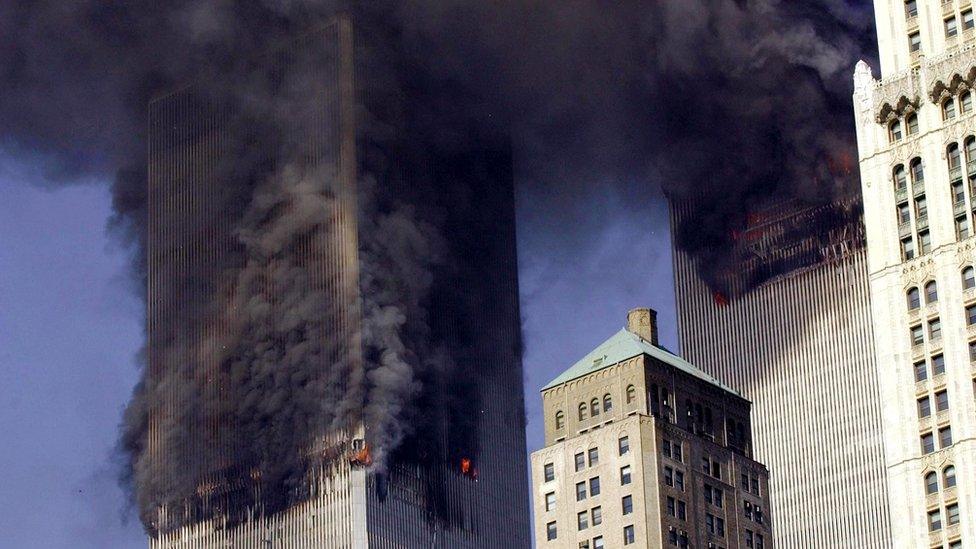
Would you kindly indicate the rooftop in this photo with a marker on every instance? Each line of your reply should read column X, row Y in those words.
column 625, row 345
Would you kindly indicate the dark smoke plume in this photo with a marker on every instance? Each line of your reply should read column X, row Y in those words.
column 722, row 103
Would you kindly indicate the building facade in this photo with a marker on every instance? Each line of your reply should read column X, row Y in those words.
column 916, row 134
column 450, row 487
column 799, row 345
column 645, row 450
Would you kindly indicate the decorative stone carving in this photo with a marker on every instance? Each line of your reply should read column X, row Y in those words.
column 949, row 71
column 896, row 94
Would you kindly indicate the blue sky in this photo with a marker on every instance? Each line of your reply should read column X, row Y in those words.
column 71, row 328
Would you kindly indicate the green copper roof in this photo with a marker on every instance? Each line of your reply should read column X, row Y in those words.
column 624, row 345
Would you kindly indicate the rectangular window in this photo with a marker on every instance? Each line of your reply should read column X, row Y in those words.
column 551, row 501
column 904, row 215
column 676, row 449
column 705, row 465
column 935, row 330
column 623, row 445
column 951, row 27
column 911, row 8
column 952, row 514
column 938, row 365
column 595, row 486
column 673, row 538
column 580, row 462
column 907, row 248
column 928, row 443
column 917, row 335
column 962, row 228
column 625, row 475
column 672, row 506
column 749, row 539
column 914, row 42
column 757, row 514
column 710, row 523
column 941, row 401
column 628, row 535
column 921, row 372
column 924, row 242
column 754, row 481
column 548, row 472
column 935, row 520
column 958, row 194
column 551, row 531
column 717, row 470
column 924, row 407
column 594, row 456
column 719, row 497
column 971, row 315
column 967, row 20
column 582, row 520
column 720, row 527
column 759, row 541
column 627, row 505
column 747, row 510
column 708, row 494
column 669, row 476
column 598, row 542
column 745, row 482
column 972, row 351
column 945, row 437
column 679, row 480
column 597, row 515
column 682, row 510
column 580, row 491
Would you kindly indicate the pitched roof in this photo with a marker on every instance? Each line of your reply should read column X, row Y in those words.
column 622, row 346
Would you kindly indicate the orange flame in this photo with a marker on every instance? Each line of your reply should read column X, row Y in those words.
column 467, row 469
column 362, row 457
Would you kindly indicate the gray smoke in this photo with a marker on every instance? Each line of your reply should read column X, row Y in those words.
column 722, row 102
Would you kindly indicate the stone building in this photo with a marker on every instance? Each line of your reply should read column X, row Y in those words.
column 916, row 133
column 643, row 449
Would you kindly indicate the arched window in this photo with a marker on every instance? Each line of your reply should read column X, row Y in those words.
column 900, row 178
column 894, row 130
column 931, row 483
column 913, row 299
column 931, row 292
column 968, row 278
column 607, row 403
column 948, row 109
column 560, row 420
column 582, row 411
column 952, row 154
column 966, row 102
column 918, row 175
column 911, row 124
column 595, row 407
column 631, row 394
column 949, row 477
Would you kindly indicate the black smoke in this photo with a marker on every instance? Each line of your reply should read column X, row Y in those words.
column 722, row 103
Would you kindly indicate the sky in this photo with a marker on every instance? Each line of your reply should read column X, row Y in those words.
column 71, row 329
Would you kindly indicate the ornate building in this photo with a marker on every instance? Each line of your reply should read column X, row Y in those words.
column 916, row 134
column 643, row 449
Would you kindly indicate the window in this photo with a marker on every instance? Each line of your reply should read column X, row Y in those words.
column 560, row 420
column 924, row 242
column 941, row 401
column 672, row 506
column 952, row 154
column 907, row 248
column 894, row 130
column 597, row 515
column 945, row 437
column 628, row 535
column 549, row 472
column 970, row 149
column 917, row 335
column 971, row 315
column 716, row 469
column 627, row 505
column 673, row 538
column 958, row 194
column 931, row 483
column 582, row 520
column 972, row 351
column 551, row 501
column 935, row 329
column 631, row 394
column 948, row 476
column 747, row 510
column 938, row 365
column 759, row 541
column 967, row 20
column 948, row 109
column 918, row 174
column 913, row 299
column 580, row 462
column 582, row 411
column 623, row 445
column 966, row 98
column 676, row 448
column 598, row 542
column 914, row 42
column 594, row 407
column 682, row 510
column 757, row 514
column 666, row 447
column 595, row 486
column 551, row 531
column 921, row 208
column 951, row 27
column 625, row 475
column 749, row 538
column 924, row 407
column 952, row 514
column 921, row 374
column 901, row 181
column 580, row 491
column 912, row 124
column 903, row 213
column 928, row 443
column 594, row 456
column 935, row 520
column 607, row 403
column 679, row 480
column 754, row 484
column 931, row 292
column 911, row 8
column 968, row 278
column 962, row 227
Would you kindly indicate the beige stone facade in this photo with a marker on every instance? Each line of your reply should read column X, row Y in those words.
column 644, row 450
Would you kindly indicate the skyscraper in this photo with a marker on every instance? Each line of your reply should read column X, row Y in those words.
column 788, row 323
column 917, row 147
column 645, row 450
column 277, row 219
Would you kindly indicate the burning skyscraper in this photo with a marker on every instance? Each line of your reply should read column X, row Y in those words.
column 333, row 325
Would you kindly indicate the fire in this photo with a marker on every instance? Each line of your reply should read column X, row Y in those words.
column 361, row 457
column 720, row 299
column 468, row 469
